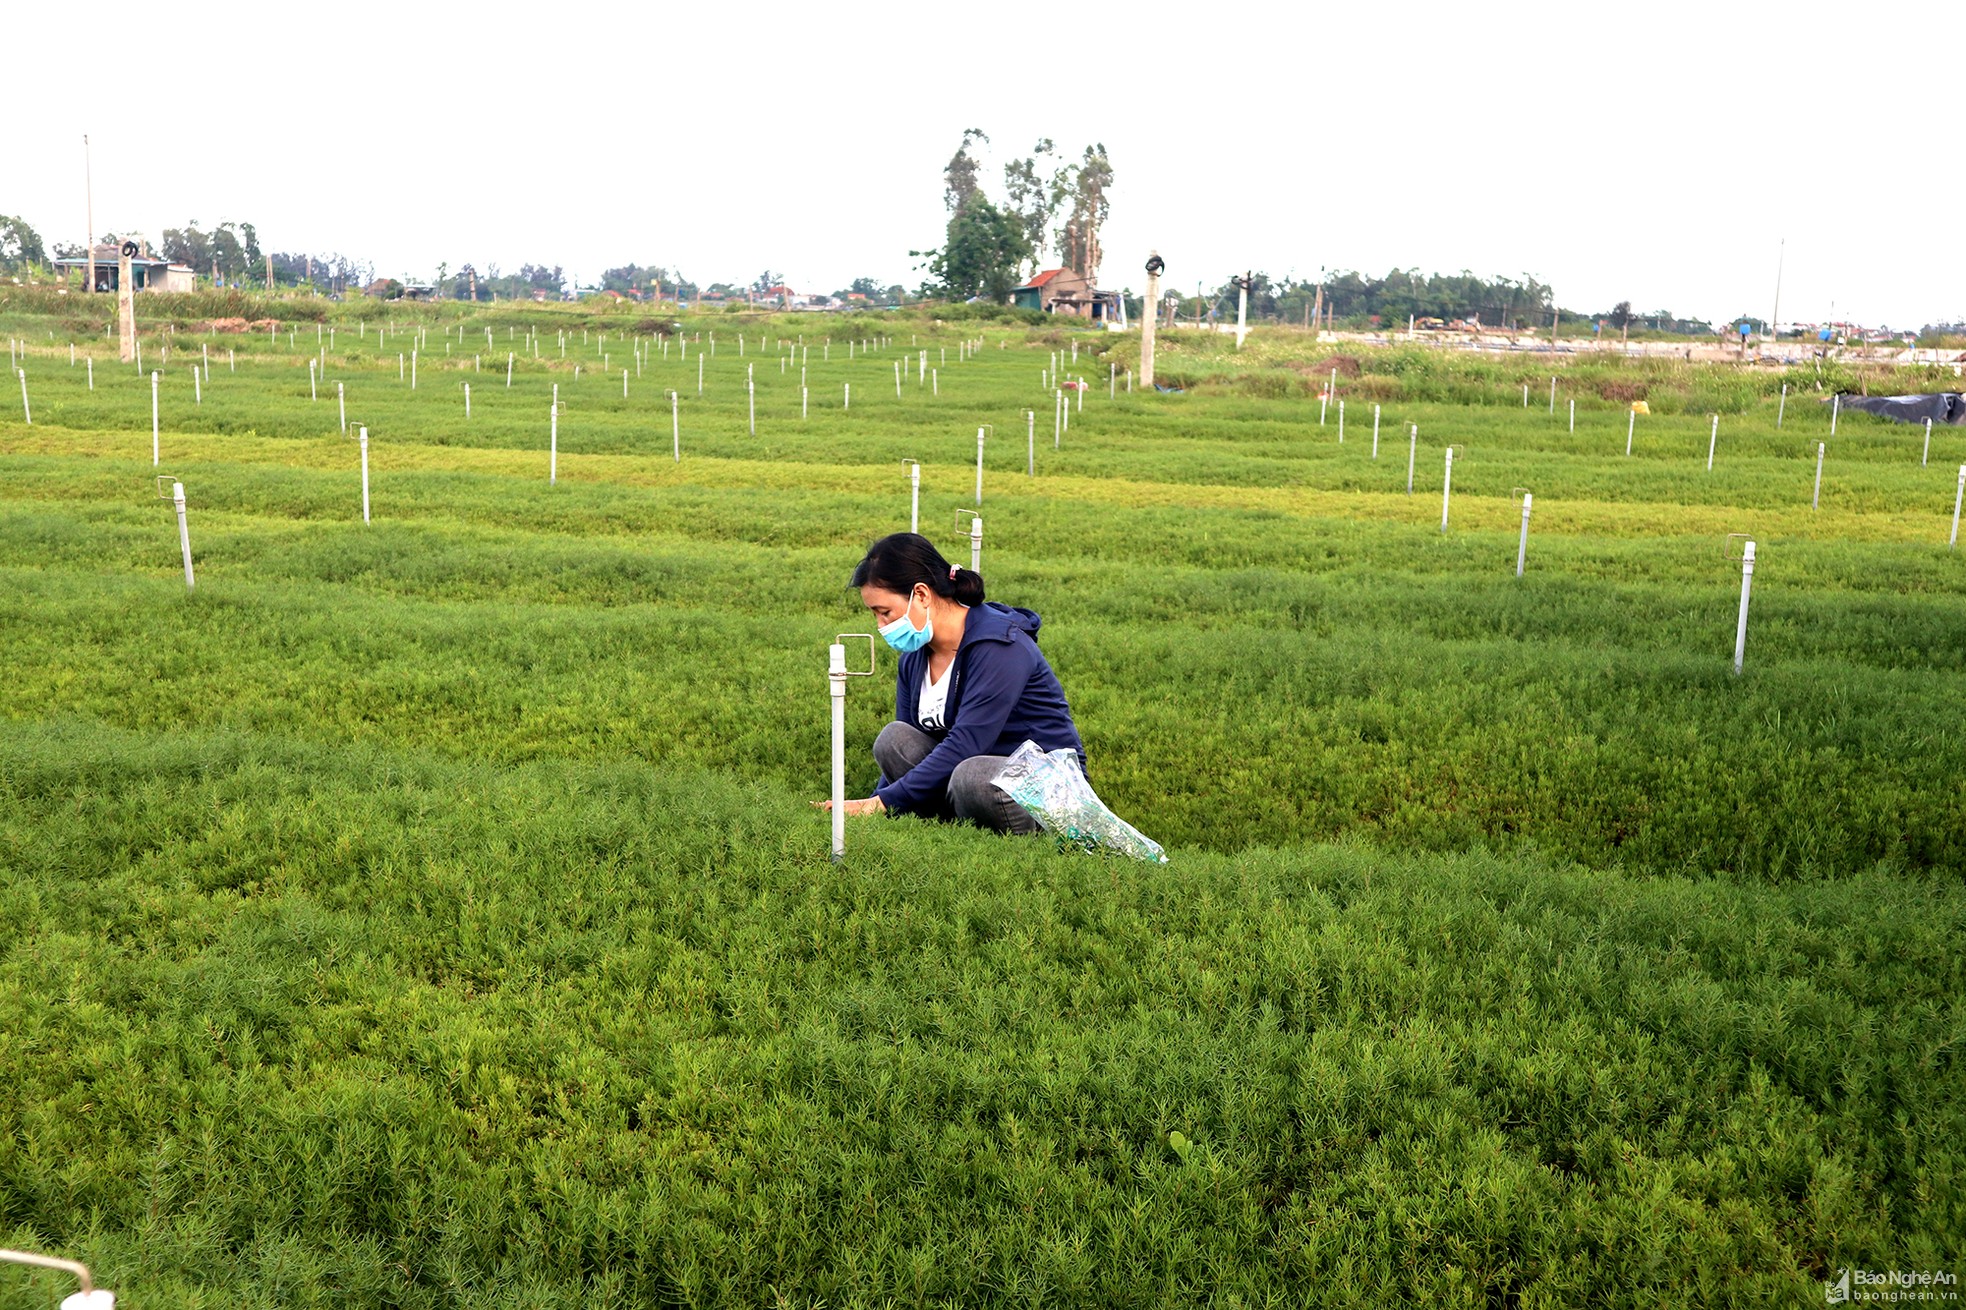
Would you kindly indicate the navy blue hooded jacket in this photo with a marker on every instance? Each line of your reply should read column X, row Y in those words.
column 1002, row 694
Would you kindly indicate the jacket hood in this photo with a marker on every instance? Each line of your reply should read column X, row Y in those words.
column 994, row 621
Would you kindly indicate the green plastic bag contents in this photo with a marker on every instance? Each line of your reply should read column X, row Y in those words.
column 1052, row 789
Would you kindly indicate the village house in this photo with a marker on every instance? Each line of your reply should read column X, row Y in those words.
column 147, row 273
column 1062, row 291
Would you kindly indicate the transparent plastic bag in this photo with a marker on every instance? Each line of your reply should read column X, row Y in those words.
column 1052, row 789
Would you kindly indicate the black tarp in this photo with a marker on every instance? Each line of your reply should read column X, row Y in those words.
column 1939, row 406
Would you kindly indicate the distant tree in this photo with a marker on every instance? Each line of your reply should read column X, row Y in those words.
column 1078, row 240
column 249, row 246
column 865, row 286
column 765, row 281
column 1621, row 315
column 538, row 277
column 228, row 253
column 639, row 278
column 19, row 243
column 959, row 174
column 980, row 256
column 1032, row 198
column 188, row 246
column 894, row 295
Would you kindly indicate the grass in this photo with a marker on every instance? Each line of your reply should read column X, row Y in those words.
column 427, row 911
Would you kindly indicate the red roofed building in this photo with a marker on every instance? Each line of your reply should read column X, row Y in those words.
column 1061, row 291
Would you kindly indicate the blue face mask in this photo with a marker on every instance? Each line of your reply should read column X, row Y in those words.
column 905, row 636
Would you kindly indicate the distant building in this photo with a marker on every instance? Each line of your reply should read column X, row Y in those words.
column 146, row 271
column 1061, row 291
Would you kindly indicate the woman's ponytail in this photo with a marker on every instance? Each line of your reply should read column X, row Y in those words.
column 967, row 586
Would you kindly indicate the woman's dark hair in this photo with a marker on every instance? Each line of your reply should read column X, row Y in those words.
column 906, row 560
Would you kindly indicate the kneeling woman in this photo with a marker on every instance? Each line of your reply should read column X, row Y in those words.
column 972, row 687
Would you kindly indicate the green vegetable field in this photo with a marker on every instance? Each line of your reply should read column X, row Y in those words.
column 431, row 911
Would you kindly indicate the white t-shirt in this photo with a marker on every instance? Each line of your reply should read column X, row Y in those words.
column 934, row 699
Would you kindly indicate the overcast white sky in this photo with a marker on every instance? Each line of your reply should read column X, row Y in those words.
column 1656, row 152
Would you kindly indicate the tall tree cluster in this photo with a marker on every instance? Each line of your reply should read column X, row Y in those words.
column 989, row 245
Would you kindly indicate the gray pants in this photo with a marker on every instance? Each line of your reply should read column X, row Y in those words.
column 970, row 797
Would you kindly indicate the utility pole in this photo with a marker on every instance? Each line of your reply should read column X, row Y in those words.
column 89, row 191
column 1150, row 313
column 1242, row 306
column 1775, row 320
column 126, row 305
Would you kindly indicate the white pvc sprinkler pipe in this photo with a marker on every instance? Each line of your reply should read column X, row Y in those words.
column 1713, row 438
column 153, row 420
column 1631, row 426
column 975, row 539
column 1816, row 500
column 914, row 494
column 1522, row 546
column 1375, row 432
column 183, row 532
column 1031, row 443
column 341, row 403
column 979, row 466
column 1783, row 407
column 1341, row 422
column 1412, row 449
column 467, row 400
column 1926, row 458
column 1741, row 627
column 553, row 448
column 1957, row 496
column 26, row 413
column 836, row 674
column 365, row 474
column 676, row 424
column 1446, row 488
